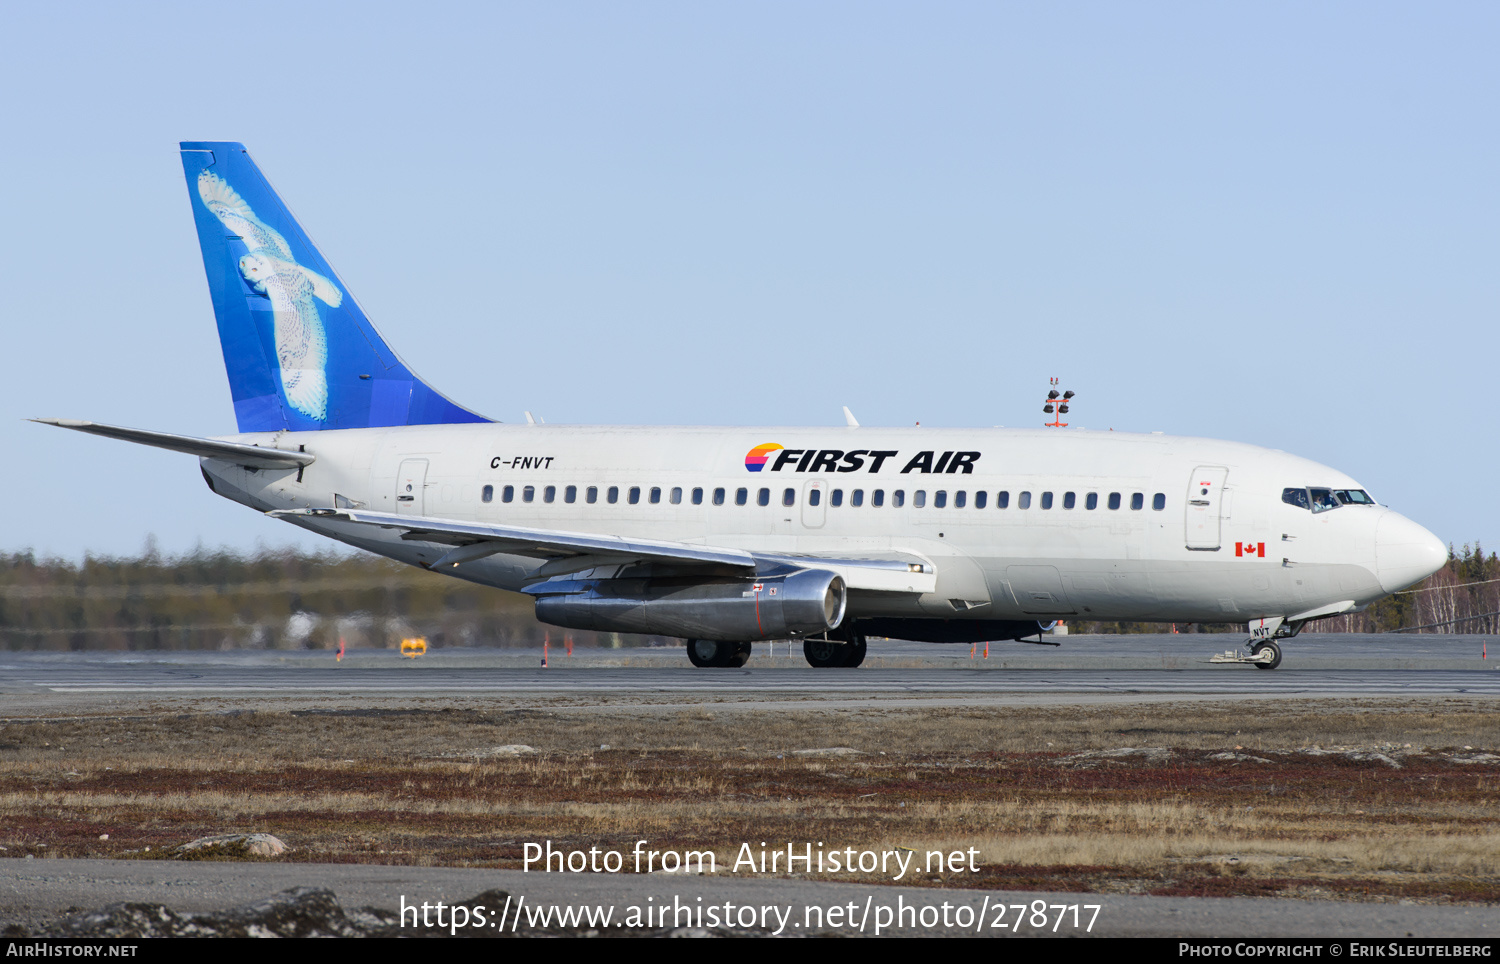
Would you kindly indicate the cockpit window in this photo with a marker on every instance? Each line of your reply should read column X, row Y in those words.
column 1323, row 500
column 1353, row 497
column 1296, row 497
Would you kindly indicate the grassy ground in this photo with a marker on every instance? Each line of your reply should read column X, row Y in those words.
column 1369, row 799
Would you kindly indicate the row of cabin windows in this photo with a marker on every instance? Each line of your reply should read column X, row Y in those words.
column 940, row 498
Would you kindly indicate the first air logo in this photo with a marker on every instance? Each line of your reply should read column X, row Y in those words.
column 866, row 460
column 755, row 459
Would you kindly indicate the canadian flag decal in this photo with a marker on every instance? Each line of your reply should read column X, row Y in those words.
column 1250, row 549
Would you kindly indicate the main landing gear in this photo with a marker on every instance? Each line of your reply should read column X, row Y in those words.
column 847, row 651
column 840, row 648
column 717, row 653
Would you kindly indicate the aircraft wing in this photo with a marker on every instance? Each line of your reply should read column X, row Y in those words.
column 560, row 552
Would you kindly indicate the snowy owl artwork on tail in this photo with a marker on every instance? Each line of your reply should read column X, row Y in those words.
column 270, row 269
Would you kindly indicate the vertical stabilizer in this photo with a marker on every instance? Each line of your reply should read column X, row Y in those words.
column 300, row 353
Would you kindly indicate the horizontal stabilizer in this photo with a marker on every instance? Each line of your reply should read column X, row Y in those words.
column 254, row 456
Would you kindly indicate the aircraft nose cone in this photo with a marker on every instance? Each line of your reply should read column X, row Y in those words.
column 1405, row 552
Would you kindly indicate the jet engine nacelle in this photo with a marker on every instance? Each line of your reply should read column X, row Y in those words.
column 802, row 603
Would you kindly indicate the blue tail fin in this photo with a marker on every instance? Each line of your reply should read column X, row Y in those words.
column 301, row 354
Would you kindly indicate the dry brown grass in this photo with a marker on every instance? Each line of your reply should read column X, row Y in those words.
column 399, row 786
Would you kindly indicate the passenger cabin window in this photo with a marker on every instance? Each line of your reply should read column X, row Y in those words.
column 919, row 498
column 1114, row 500
column 940, row 499
column 508, row 493
column 697, row 497
column 1091, row 501
column 959, row 499
column 614, row 494
column 1296, row 497
column 528, row 493
column 570, row 494
column 1023, row 501
column 898, row 498
column 789, row 497
column 1138, row 501
column 489, row 493
column 1002, row 500
column 1046, row 500
column 837, row 498
column 592, row 495
column 549, row 493
column 857, row 498
column 1069, row 500
column 979, row 499
column 634, row 498
column 741, row 496
column 718, row 496
column 1159, row 501
column 676, row 496
column 655, row 494
column 877, row 498
column 814, row 496
column 763, row 497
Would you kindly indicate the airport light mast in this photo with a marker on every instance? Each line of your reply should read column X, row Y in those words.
column 1060, row 404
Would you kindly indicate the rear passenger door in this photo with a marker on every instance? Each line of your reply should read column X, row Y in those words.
column 411, row 481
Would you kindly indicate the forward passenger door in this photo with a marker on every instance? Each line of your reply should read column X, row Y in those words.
column 1205, row 500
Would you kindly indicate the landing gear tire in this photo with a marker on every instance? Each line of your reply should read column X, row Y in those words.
column 717, row 654
column 828, row 653
column 1257, row 648
column 705, row 653
column 824, row 653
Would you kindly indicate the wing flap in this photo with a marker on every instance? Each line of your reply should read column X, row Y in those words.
column 543, row 544
column 896, row 572
column 561, row 553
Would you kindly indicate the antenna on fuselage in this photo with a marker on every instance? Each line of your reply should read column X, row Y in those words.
column 1057, row 401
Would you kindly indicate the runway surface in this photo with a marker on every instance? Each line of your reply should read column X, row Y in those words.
column 34, row 891
column 1083, row 669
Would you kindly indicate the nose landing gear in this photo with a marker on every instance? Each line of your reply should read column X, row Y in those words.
column 1264, row 651
column 1268, row 654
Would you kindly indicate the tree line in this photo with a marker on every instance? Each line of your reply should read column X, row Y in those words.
column 292, row 599
column 269, row 599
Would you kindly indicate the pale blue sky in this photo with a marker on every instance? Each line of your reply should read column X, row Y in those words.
column 1274, row 223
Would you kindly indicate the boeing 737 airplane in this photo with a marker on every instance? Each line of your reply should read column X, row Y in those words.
column 723, row 536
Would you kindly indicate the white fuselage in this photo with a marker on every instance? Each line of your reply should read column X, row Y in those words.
column 1212, row 539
